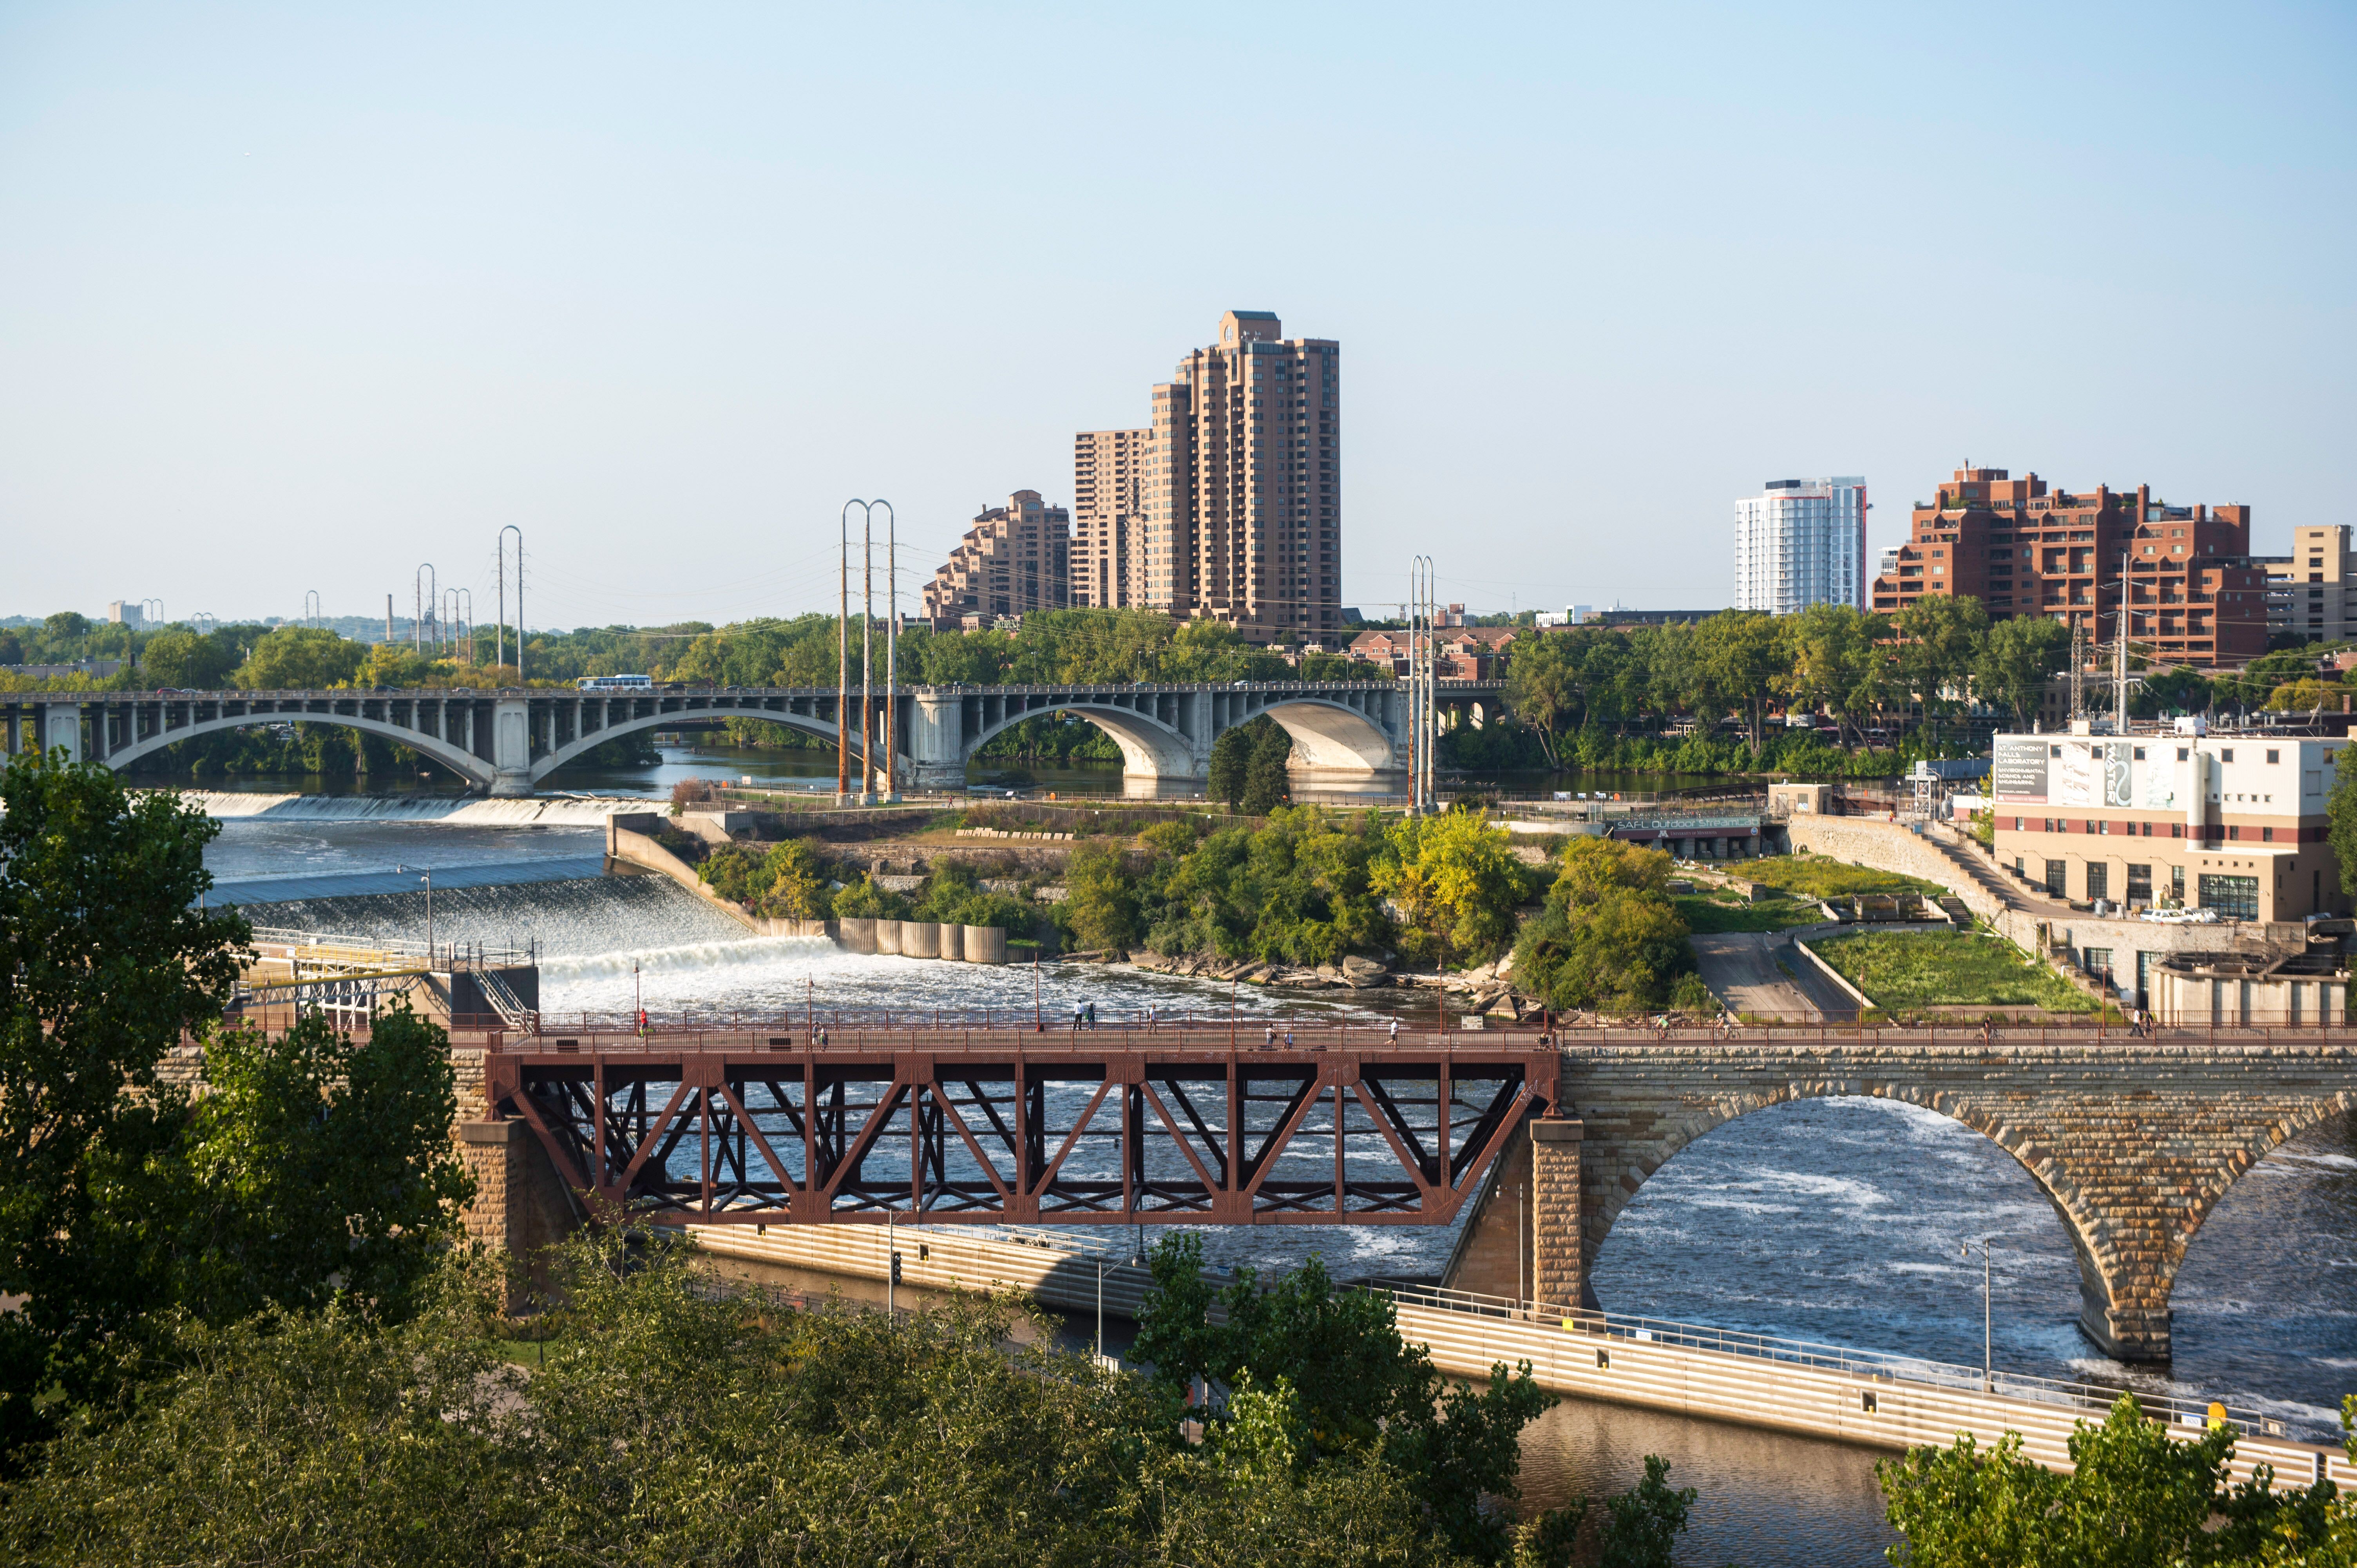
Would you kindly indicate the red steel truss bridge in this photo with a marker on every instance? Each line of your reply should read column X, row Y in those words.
column 948, row 1126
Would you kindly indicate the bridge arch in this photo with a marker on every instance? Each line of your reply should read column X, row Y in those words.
column 1333, row 738
column 1150, row 749
column 697, row 718
column 2104, row 1268
column 466, row 763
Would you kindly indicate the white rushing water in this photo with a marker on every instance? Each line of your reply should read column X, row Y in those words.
column 450, row 810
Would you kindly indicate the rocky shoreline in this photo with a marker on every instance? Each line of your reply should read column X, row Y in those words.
column 1485, row 989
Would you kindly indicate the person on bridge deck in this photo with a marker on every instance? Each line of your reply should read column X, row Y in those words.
column 1269, row 1038
column 1078, row 1009
column 1288, row 1036
column 1396, row 1030
column 1093, row 1014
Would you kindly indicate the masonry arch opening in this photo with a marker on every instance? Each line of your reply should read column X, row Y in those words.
column 1841, row 1221
column 2261, row 1297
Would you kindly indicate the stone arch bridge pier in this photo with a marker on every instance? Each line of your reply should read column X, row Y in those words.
column 2132, row 1142
column 506, row 742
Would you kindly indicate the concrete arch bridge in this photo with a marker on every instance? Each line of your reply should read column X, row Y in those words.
column 506, row 742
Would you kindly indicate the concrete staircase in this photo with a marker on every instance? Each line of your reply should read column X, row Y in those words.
column 1976, row 867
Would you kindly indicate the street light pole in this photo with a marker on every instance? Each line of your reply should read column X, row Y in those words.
column 428, row 879
column 1988, row 1358
column 502, row 550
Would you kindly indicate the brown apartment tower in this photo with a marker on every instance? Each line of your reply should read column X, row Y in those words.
column 2195, row 595
column 1228, row 506
column 1014, row 560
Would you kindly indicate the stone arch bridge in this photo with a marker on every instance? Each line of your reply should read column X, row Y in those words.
column 506, row 742
column 2132, row 1142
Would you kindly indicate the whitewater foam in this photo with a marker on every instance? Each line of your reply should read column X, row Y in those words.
column 538, row 811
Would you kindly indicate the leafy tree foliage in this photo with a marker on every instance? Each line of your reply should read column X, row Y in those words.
column 2016, row 660
column 1299, row 890
column 1608, row 936
column 675, row 1423
column 301, row 657
column 184, row 659
column 314, row 1168
column 1099, row 904
column 104, row 960
column 1231, row 757
column 1300, row 1375
column 2136, row 1499
column 1266, row 786
column 1456, row 884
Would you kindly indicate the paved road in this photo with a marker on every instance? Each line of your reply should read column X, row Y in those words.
column 1742, row 970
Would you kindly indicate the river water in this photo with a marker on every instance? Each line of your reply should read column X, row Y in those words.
column 1832, row 1221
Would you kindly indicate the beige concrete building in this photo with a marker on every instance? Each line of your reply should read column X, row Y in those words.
column 1015, row 559
column 2309, row 589
column 2232, row 823
column 1239, row 499
column 1108, row 517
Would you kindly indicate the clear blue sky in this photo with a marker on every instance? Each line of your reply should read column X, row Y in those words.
column 300, row 297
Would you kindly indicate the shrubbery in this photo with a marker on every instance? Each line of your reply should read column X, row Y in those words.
column 1608, row 937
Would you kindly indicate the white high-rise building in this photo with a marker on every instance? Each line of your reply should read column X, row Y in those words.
column 1801, row 543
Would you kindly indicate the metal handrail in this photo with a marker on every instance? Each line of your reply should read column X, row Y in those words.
column 1878, row 1364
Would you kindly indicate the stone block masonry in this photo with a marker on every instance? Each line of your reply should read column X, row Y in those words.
column 2133, row 1142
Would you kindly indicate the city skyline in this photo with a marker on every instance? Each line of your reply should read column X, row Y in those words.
column 297, row 305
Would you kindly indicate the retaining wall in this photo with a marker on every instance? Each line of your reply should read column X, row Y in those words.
column 1860, row 1407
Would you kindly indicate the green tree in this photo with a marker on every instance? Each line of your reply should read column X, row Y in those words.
column 1609, row 936
column 301, row 658
column 1734, row 662
column 1267, row 785
column 2018, row 658
column 314, row 1168
column 2137, row 1498
column 105, row 961
column 1232, row 755
column 1348, row 1386
column 1456, row 882
column 183, row 660
column 1940, row 636
column 2181, row 690
column 1098, row 901
column 1543, row 689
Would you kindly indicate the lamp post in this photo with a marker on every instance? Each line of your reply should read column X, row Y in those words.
column 1988, row 1358
column 427, row 878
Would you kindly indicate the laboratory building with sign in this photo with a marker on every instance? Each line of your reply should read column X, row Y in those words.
column 2230, row 823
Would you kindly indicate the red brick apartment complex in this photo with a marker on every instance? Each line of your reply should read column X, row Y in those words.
column 2195, row 597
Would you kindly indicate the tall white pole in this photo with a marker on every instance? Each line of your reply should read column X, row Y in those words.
column 867, row 659
column 891, row 652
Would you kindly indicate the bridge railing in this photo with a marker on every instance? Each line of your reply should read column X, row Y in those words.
column 2092, row 1397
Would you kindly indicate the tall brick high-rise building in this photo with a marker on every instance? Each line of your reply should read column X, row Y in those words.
column 1239, row 492
column 2194, row 593
column 1015, row 559
column 1108, row 517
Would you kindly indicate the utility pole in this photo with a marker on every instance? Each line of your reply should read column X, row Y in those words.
column 2078, row 665
column 2120, row 658
column 891, row 716
column 502, row 542
column 424, row 599
column 843, row 665
column 388, row 617
column 867, row 657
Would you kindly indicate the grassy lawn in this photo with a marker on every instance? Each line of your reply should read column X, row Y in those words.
column 1704, row 913
column 1904, row 971
column 1817, row 876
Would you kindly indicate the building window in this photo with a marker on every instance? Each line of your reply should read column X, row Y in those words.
column 2227, row 754
column 2058, row 878
column 2267, row 835
column 2176, row 883
column 2139, row 884
column 2235, row 897
column 2177, row 830
column 2099, row 879
column 2096, row 960
column 2272, row 756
